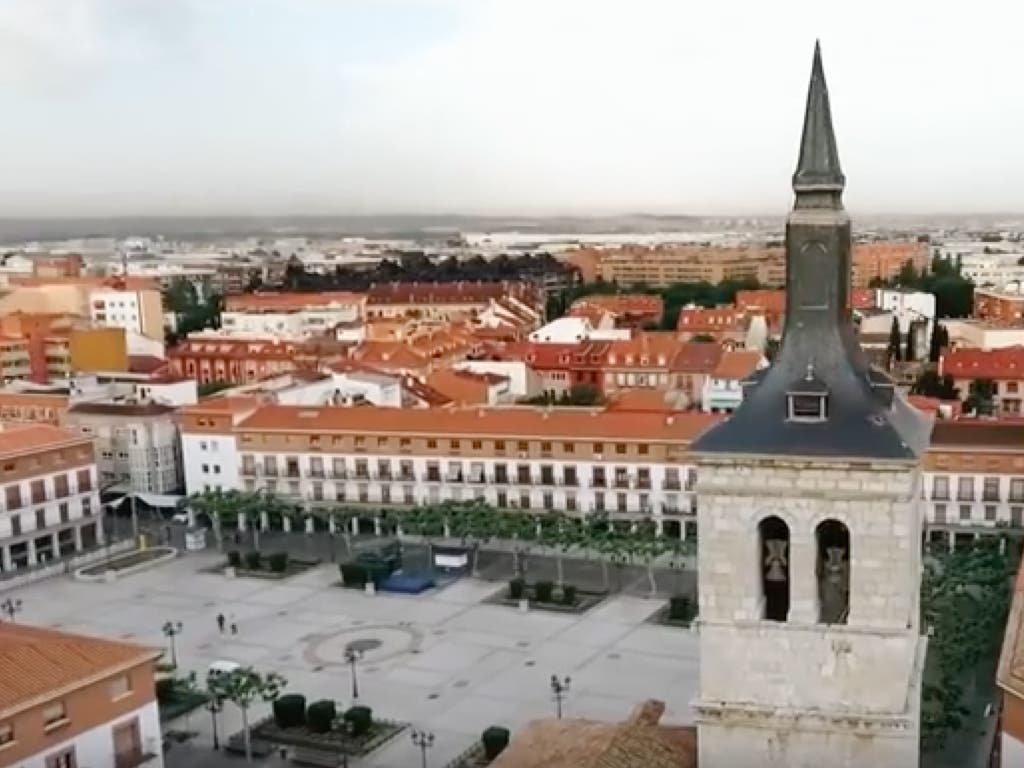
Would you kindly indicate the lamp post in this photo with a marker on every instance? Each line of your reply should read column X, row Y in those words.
column 11, row 607
column 560, row 689
column 352, row 657
column 214, row 705
column 172, row 629
column 423, row 741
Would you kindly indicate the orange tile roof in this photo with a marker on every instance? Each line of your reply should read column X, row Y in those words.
column 107, row 283
column 775, row 300
column 229, row 404
column 717, row 320
column 697, row 357
column 1005, row 363
column 389, row 355
column 289, row 302
column 737, row 364
column 462, row 387
column 623, row 303
column 572, row 423
column 38, row 664
column 643, row 400
column 19, row 439
column 447, row 293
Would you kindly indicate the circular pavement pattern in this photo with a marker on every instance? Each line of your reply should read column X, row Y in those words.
column 377, row 643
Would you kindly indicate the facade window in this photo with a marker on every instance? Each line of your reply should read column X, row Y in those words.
column 965, row 489
column 453, row 444
column 1017, row 489
column 40, row 519
column 120, row 686
column 643, row 449
column 568, row 447
column 940, row 487
column 965, row 511
column 774, row 567
column 524, row 501
column 499, row 445
column 599, row 501
column 620, row 448
column 478, row 445
column 1017, row 516
column 431, row 443
column 523, row 445
column 54, row 714
column 13, row 494
column 549, row 500
column 940, row 513
column 621, row 502
column 338, row 467
column 598, row 448
column 570, row 502
column 6, row 734
column 807, row 408
column 408, row 497
column 206, row 469
column 545, row 449
column 990, row 489
column 990, row 512
column 65, row 513
column 87, row 506
column 569, row 476
column 63, row 759
column 16, row 525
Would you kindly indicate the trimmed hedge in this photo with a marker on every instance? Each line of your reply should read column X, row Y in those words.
column 495, row 739
column 568, row 594
column 517, row 589
column 290, row 710
column 543, row 590
column 165, row 689
column 680, row 608
column 353, row 574
column 361, row 719
column 253, row 560
column 320, row 716
column 278, row 562
column 235, row 558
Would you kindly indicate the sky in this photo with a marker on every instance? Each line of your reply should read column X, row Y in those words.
column 257, row 107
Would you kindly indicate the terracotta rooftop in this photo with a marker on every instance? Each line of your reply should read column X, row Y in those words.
column 289, row 302
column 978, row 433
column 38, row 664
column 622, row 304
column 444, row 293
column 463, row 387
column 230, row 404
column 527, row 423
column 146, row 408
column 717, row 320
column 737, row 364
column 1005, row 363
column 775, row 300
column 145, row 363
column 18, row 439
column 639, row 742
column 696, row 357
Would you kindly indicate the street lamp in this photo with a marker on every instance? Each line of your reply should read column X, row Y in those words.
column 12, row 607
column 352, row 657
column 172, row 629
column 424, row 741
column 560, row 689
column 214, row 705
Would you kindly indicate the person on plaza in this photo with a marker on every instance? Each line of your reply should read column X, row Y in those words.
column 220, row 622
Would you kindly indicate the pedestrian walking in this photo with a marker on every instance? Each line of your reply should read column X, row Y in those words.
column 220, row 622
column 234, row 628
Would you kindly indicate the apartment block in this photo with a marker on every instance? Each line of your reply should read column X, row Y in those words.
column 51, row 495
column 1003, row 367
column 291, row 316
column 137, row 443
column 630, row 465
column 73, row 701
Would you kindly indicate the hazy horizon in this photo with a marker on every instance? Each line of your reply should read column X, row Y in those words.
column 501, row 108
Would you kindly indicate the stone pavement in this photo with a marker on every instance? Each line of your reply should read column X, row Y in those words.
column 445, row 662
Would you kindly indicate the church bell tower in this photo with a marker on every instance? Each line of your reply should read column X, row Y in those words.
column 810, row 524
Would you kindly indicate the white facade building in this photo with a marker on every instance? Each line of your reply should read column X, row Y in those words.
column 570, row 329
column 523, row 381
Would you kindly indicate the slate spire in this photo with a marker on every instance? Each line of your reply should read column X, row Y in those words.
column 818, row 168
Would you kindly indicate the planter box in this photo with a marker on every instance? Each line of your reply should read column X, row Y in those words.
column 585, row 600
column 334, row 742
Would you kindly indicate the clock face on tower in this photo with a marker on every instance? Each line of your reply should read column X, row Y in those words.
column 813, row 280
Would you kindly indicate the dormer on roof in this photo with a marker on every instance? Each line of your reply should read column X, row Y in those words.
column 807, row 398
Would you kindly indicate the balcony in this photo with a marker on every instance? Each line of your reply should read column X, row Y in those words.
column 672, row 485
column 498, row 479
column 547, row 479
column 598, row 482
column 407, row 477
column 270, row 471
column 316, row 473
column 337, row 474
column 940, row 495
column 570, row 482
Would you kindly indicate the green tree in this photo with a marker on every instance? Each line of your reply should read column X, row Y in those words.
column 981, row 397
column 939, row 339
column 243, row 688
column 894, row 351
column 930, row 384
column 911, row 353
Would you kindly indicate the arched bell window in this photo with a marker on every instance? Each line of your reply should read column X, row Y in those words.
column 833, row 572
column 774, row 566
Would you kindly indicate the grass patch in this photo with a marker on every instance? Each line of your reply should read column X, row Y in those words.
column 294, row 567
column 335, row 740
column 582, row 600
column 127, row 560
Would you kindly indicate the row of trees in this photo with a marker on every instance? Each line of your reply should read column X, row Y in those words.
column 415, row 266
column 473, row 524
column 181, row 298
column 954, row 293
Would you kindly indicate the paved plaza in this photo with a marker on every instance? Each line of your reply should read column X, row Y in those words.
column 445, row 662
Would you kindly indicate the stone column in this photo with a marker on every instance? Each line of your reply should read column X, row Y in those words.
column 309, row 524
column 354, row 526
column 78, row 538
column 951, row 540
column 1002, row 545
column 264, row 520
column 803, row 581
column 5, row 553
column 287, row 523
column 56, row 547
column 31, row 548
column 376, row 526
column 658, row 531
column 241, row 522
column 332, row 525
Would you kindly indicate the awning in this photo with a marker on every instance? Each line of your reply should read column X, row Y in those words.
column 158, row 500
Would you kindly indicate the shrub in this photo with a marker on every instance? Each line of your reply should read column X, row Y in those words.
column 235, row 558
column 516, row 589
column 494, row 739
column 680, row 608
column 542, row 592
column 165, row 689
column 568, row 594
column 353, row 574
column 320, row 716
column 164, row 666
column 361, row 719
column 253, row 560
column 278, row 562
column 290, row 710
